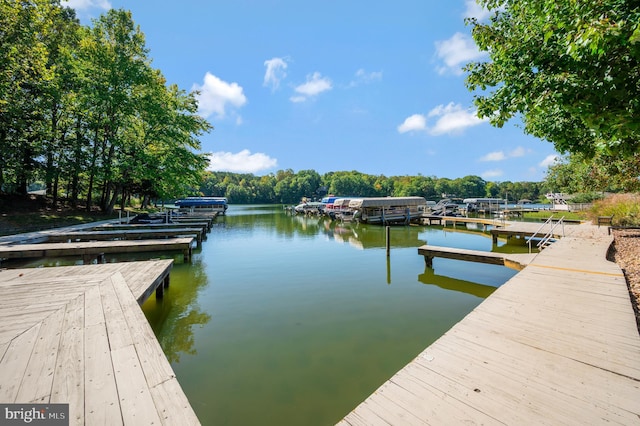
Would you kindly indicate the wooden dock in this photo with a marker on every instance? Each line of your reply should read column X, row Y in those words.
column 556, row 344
column 92, row 249
column 429, row 219
column 514, row 261
column 140, row 226
column 77, row 335
column 125, row 234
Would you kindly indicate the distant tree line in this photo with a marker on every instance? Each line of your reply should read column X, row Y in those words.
column 82, row 110
column 288, row 187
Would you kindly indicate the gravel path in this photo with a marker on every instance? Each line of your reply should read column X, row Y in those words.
column 626, row 253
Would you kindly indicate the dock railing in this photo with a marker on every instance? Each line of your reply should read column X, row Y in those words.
column 544, row 241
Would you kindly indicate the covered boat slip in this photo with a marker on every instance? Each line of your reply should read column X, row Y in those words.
column 76, row 335
column 484, row 205
column 388, row 210
column 203, row 204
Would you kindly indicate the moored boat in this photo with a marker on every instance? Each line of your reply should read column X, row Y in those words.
column 388, row 210
column 208, row 204
column 309, row 207
column 445, row 207
column 341, row 210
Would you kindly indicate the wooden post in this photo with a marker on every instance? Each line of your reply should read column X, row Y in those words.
column 388, row 235
column 166, row 281
column 388, row 270
column 160, row 292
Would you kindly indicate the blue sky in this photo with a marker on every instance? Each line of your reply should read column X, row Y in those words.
column 370, row 86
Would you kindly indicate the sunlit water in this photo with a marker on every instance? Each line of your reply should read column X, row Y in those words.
column 282, row 320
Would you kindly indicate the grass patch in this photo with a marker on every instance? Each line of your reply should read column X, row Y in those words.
column 19, row 214
column 544, row 215
column 15, row 223
column 625, row 209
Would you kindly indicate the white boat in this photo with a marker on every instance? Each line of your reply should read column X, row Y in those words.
column 388, row 210
column 445, row 207
column 309, row 207
column 483, row 205
column 341, row 210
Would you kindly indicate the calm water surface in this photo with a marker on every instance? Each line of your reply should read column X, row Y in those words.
column 283, row 320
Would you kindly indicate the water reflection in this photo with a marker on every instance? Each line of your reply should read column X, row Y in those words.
column 448, row 283
column 174, row 317
column 297, row 315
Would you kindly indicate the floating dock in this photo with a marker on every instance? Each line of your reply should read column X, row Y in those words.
column 514, row 261
column 557, row 344
column 77, row 335
column 90, row 250
column 125, row 234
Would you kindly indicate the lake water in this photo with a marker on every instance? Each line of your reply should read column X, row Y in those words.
column 289, row 320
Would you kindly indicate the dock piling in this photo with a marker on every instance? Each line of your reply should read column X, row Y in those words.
column 388, row 240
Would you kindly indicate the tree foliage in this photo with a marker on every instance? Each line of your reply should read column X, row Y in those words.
column 288, row 187
column 82, row 109
column 570, row 68
column 577, row 173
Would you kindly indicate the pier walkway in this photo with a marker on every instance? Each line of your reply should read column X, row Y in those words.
column 557, row 344
column 77, row 335
column 92, row 249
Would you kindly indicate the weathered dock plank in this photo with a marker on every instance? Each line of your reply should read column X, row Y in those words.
column 515, row 261
column 93, row 248
column 556, row 344
column 141, row 226
column 95, row 352
column 125, row 234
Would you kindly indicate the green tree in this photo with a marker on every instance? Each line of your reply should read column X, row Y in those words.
column 569, row 68
column 25, row 71
column 577, row 173
column 116, row 64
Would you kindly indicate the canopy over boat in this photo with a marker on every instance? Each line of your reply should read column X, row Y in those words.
column 482, row 200
column 387, row 202
column 201, row 201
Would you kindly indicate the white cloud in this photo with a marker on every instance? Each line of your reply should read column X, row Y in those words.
column 494, row 156
column 315, row 85
column 241, row 162
column 87, row 4
column 364, row 77
column 275, row 72
column 457, row 52
column 416, row 122
column 500, row 155
column 491, row 174
column 474, row 10
column 452, row 119
column 550, row 160
column 216, row 96
column 519, row 152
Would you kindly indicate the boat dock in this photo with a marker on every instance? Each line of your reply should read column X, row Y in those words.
column 515, row 261
column 430, row 219
column 556, row 344
column 205, row 226
column 94, row 240
column 126, row 234
column 76, row 335
column 90, row 250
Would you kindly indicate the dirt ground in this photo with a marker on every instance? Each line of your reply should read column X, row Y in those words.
column 626, row 253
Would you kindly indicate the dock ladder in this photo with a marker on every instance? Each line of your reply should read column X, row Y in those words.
column 545, row 241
